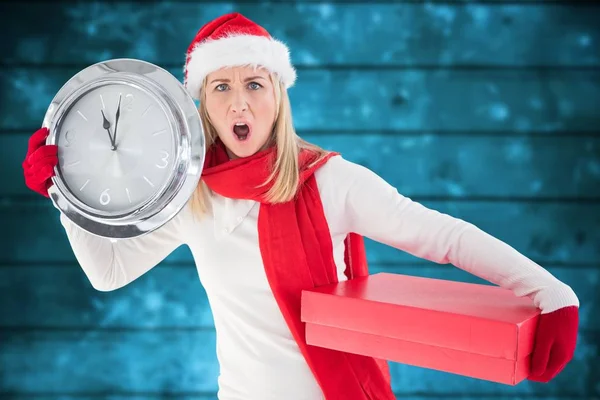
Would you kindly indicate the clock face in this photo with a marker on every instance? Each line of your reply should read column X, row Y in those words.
column 116, row 148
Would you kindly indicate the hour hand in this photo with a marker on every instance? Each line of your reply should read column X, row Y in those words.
column 106, row 125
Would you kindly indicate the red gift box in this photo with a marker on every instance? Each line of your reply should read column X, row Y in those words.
column 476, row 330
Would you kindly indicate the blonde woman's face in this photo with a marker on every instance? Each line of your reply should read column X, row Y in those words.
column 241, row 104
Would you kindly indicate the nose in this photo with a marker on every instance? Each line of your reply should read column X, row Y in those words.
column 239, row 103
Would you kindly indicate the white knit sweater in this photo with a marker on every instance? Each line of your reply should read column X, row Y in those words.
column 258, row 357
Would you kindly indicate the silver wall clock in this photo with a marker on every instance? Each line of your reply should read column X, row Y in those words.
column 130, row 146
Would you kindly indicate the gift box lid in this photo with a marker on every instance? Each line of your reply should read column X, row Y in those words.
column 477, row 318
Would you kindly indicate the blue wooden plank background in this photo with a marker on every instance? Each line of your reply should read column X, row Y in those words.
column 486, row 110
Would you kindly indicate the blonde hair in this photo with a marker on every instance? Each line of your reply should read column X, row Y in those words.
column 285, row 175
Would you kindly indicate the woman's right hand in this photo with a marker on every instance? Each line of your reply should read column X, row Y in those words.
column 39, row 163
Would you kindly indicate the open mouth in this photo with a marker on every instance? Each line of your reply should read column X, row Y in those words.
column 241, row 130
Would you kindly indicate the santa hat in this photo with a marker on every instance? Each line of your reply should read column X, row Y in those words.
column 234, row 40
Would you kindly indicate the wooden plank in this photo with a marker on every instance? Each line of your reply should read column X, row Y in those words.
column 172, row 296
column 334, row 34
column 171, row 362
column 196, row 395
column 546, row 232
column 371, row 100
column 211, row 396
column 146, row 361
column 165, row 297
column 422, row 165
column 204, row 396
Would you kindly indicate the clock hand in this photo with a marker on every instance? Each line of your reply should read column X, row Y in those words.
column 117, row 121
column 106, row 125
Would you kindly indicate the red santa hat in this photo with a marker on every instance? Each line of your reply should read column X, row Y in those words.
column 234, row 40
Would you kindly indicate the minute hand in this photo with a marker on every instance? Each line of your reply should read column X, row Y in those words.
column 117, row 120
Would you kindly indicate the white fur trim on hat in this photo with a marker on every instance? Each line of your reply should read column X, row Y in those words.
column 238, row 50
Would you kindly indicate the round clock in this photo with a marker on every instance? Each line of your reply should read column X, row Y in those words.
column 130, row 148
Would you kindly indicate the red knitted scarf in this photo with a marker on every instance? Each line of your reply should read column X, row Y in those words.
column 297, row 253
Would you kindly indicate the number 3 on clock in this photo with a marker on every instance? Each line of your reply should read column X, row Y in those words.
column 164, row 159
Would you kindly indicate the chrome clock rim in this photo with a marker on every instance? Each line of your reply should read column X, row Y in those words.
column 190, row 146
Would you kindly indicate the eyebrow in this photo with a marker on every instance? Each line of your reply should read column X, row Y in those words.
column 250, row 78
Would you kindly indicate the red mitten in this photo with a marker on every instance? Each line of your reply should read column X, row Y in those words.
column 39, row 163
column 554, row 344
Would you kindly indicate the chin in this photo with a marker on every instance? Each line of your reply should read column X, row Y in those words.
column 242, row 150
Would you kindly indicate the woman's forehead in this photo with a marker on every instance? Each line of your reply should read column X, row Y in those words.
column 234, row 73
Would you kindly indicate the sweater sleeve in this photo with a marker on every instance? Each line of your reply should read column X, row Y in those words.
column 109, row 264
column 373, row 208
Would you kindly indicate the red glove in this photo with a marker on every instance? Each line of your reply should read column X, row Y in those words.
column 554, row 344
column 39, row 163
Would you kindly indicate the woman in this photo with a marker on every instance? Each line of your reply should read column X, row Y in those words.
column 273, row 215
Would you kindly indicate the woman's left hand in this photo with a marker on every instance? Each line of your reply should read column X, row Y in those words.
column 554, row 345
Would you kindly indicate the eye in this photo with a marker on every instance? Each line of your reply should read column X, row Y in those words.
column 254, row 85
column 221, row 87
